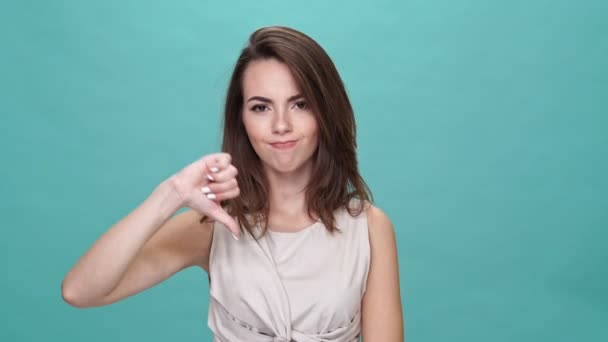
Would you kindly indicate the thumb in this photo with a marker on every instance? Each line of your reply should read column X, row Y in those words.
column 220, row 215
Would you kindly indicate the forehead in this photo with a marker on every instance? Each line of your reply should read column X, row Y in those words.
column 270, row 78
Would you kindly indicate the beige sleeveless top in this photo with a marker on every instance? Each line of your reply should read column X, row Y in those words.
column 304, row 286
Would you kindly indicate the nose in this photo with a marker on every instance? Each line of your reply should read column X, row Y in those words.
column 281, row 122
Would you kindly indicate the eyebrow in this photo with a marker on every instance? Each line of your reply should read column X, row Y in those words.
column 267, row 100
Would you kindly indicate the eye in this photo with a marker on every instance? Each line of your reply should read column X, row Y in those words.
column 301, row 104
column 258, row 108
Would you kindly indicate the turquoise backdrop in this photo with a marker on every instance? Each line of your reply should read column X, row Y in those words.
column 483, row 133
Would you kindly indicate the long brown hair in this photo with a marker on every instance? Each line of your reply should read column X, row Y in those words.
column 335, row 179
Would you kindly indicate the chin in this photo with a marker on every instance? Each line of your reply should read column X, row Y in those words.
column 290, row 168
column 286, row 169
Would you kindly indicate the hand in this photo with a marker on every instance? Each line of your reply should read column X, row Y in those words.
column 206, row 182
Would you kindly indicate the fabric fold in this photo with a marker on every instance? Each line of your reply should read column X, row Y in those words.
column 260, row 288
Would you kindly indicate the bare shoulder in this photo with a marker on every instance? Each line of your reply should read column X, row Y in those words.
column 197, row 237
column 380, row 226
column 382, row 317
column 181, row 242
column 184, row 239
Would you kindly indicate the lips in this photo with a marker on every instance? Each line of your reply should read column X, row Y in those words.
column 284, row 145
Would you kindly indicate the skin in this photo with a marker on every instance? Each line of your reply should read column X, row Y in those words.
column 282, row 115
column 274, row 111
column 179, row 242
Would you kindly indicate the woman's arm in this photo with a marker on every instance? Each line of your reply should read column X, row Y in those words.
column 381, row 312
column 99, row 271
column 149, row 245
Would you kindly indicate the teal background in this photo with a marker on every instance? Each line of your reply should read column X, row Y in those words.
column 483, row 133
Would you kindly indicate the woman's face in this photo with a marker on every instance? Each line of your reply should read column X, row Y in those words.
column 280, row 124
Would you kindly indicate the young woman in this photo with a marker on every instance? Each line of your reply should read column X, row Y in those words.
column 281, row 220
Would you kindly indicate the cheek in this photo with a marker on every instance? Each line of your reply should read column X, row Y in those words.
column 253, row 131
column 312, row 128
column 311, row 131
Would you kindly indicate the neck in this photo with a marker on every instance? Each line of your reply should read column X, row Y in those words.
column 287, row 192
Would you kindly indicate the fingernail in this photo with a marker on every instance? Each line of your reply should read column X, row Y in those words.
column 211, row 196
column 215, row 169
column 205, row 190
column 234, row 236
column 209, row 177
